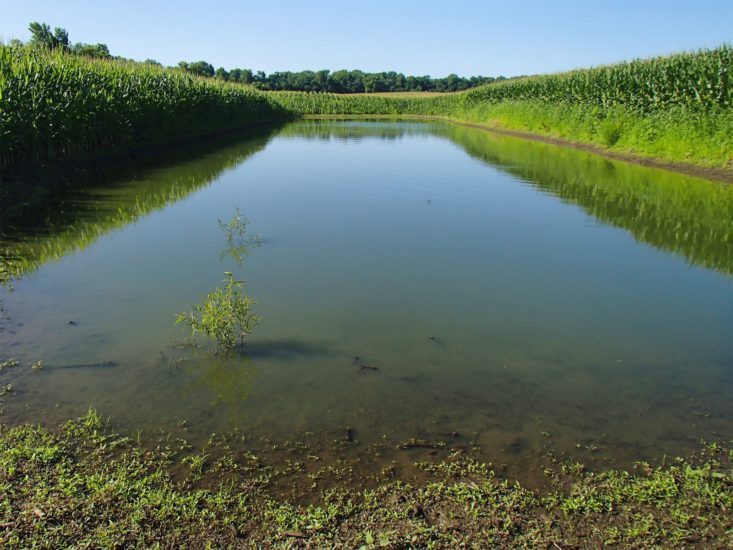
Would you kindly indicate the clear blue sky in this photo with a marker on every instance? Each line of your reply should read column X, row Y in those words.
column 468, row 37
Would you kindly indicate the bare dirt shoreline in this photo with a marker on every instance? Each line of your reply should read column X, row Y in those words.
column 722, row 175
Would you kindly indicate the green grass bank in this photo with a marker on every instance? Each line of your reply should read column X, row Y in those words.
column 84, row 485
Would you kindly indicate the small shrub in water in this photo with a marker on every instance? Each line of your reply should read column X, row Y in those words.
column 225, row 315
column 238, row 242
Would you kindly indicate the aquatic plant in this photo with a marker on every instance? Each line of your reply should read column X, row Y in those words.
column 225, row 315
column 239, row 243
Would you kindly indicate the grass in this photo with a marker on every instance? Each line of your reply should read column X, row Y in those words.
column 85, row 485
column 676, row 134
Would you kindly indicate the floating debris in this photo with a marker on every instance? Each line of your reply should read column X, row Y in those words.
column 88, row 365
column 367, row 367
column 413, row 443
column 9, row 363
column 38, row 365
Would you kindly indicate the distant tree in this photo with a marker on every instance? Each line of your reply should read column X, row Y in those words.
column 235, row 75
column 91, row 50
column 152, row 62
column 222, row 73
column 41, row 35
column 201, row 68
column 15, row 43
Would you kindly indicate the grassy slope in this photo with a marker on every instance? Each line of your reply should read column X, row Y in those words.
column 85, row 486
column 703, row 138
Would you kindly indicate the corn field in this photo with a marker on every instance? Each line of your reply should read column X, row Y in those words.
column 695, row 80
column 698, row 80
column 319, row 103
column 55, row 105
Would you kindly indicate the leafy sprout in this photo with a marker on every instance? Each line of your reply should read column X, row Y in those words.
column 224, row 315
column 239, row 243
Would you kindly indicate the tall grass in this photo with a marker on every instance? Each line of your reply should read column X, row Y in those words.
column 55, row 105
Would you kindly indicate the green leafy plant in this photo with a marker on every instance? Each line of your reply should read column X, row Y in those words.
column 224, row 315
column 239, row 243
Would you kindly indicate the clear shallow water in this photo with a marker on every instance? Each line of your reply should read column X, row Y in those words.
column 519, row 294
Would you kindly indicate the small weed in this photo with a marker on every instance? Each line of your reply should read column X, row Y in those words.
column 239, row 243
column 224, row 315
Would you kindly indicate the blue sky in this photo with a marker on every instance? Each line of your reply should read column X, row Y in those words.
column 415, row 37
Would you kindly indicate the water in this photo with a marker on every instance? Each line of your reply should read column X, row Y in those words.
column 514, row 296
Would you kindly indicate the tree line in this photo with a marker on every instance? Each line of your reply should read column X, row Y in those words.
column 342, row 82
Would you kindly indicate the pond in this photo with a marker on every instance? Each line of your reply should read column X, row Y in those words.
column 512, row 296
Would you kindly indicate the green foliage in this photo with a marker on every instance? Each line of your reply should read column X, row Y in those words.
column 344, row 104
column 239, row 243
column 701, row 79
column 199, row 68
column 224, row 315
column 677, row 134
column 54, row 105
column 351, row 82
column 42, row 36
column 91, row 50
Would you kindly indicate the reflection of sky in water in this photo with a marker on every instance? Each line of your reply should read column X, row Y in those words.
column 542, row 317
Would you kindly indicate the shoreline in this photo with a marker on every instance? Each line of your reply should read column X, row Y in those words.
column 718, row 175
column 84, row 484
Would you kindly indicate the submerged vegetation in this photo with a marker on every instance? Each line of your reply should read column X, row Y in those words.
column 85, row 485
column 225, row 314
column 239, row 242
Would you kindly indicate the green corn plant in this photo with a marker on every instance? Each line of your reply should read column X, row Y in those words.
column 54, row 105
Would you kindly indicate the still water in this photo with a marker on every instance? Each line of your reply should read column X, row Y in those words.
column 513, row 295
